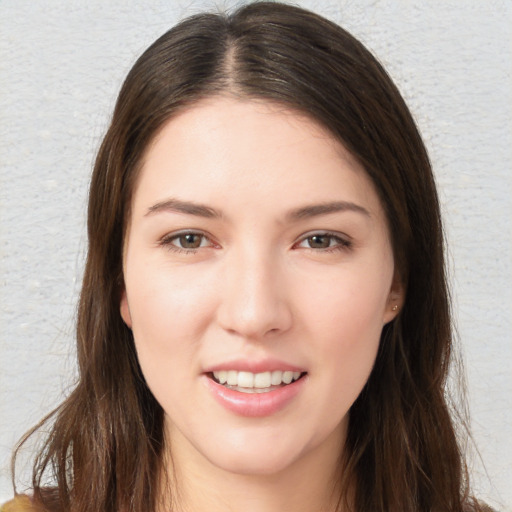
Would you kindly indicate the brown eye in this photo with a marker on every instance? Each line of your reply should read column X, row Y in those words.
column 187, row 242
column 319, row 241
column 325, row 242
column 190, row 241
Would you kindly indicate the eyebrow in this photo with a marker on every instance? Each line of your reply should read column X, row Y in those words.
column 304, row 212
column 187, row 207
column 316, row 210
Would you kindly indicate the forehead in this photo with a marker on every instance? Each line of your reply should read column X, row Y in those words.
column 262, row 152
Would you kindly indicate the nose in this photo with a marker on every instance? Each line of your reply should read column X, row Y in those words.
column 253, row 302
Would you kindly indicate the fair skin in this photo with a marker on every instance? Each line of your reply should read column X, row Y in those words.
column 257, row 249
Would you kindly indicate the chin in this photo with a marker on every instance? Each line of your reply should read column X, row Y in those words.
column 266, row 463
column 256, row 454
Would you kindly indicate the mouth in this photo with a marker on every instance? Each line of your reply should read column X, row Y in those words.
column 248, row 382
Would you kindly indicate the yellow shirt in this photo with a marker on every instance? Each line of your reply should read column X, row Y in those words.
column 19, row 504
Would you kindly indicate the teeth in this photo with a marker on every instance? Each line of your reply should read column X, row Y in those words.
column 245, row 380
column 262, row 380
column 287, row 377
column 255, row 380
column 276, row 378
column 222, row 377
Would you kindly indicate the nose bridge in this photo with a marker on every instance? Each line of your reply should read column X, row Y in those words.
column 254, row 301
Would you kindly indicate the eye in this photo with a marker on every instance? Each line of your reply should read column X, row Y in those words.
column 324, row 241
column 187, row 241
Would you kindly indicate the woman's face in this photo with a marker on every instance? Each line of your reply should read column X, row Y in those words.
column 258, row 276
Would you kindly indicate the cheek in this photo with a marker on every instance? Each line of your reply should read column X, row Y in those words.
column 164, row 304
column 344, row 322
column 350, row 339
column 169, row 315
column 346, row 305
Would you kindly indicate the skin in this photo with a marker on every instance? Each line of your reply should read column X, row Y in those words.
column 259, row 285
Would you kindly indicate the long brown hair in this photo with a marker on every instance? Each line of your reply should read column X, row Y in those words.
column 104, row 451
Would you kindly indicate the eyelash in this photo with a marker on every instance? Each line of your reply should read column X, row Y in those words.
column 168, row 242
column 341, row 244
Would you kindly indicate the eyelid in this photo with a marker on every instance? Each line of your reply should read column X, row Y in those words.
column 345, row 241
column 168, row 239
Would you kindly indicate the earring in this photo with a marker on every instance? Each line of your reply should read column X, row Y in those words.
column 395, row 307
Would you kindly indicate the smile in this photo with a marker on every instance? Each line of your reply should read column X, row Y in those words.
column 248, row 382
column 245, row 399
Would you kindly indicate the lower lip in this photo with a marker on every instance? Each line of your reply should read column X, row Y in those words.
column 255, row 404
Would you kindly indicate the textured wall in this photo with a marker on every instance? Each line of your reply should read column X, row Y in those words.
column 61, row 64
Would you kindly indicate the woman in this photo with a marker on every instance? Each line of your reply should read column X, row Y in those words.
column 264, row 319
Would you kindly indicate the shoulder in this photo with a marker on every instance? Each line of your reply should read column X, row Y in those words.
column 20, row 503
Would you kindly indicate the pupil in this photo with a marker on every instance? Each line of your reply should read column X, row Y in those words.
column 319, row 241
column 190, row 241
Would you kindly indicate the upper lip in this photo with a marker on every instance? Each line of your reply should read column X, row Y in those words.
column 253, row 366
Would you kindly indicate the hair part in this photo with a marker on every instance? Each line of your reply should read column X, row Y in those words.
column 401, row 451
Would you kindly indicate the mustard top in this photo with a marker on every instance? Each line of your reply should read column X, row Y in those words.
column 19, row 504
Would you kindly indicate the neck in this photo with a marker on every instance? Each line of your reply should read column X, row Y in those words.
column 310, row 484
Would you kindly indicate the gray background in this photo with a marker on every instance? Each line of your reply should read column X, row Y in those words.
column 61, row 65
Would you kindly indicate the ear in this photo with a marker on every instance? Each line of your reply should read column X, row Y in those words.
column 396, row 299
column 125, row 310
